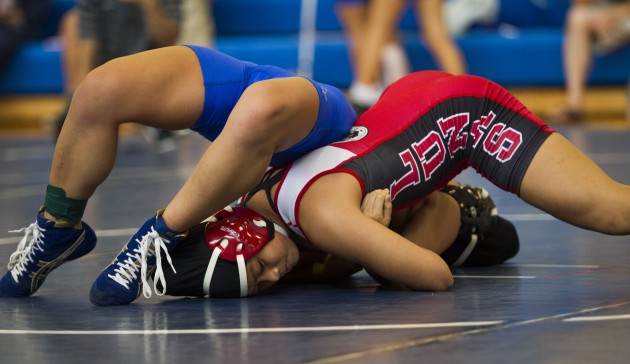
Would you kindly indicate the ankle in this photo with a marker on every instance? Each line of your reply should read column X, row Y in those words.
column 48, row 216
column 164, row 229
column 63, row 208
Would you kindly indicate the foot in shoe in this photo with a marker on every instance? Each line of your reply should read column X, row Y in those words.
column 123, row 280
column 364, row 95
column 565, row 115
column 45, row 246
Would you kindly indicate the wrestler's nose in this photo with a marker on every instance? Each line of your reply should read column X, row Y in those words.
column 271, row 275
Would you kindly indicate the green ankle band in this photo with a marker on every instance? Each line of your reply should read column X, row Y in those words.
column 62, row 207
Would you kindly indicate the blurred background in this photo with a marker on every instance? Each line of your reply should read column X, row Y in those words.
column 516, row 43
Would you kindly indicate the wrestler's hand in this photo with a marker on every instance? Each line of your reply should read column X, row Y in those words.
column 377, row 205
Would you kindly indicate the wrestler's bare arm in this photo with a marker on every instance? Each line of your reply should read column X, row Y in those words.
column 318, row 267
column 429, row 217
column 331, row 216
column 377, row 205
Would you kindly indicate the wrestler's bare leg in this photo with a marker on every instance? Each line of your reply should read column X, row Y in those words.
column 164, row 88
column 161, row 88
column 564, row 182
column 271, row 116
column 433, row 223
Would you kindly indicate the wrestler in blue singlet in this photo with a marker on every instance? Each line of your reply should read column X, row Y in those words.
column 225, row 80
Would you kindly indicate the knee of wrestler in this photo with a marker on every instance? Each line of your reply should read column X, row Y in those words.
column 499, row 243
column 100, row 95
column 262, row 113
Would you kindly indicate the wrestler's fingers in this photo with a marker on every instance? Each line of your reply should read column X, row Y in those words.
column 387, row 208
column 373, row 201
column 384, row 202
column 377, row 206
column 367, row 203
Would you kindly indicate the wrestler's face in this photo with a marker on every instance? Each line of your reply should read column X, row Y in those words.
column 271, row 263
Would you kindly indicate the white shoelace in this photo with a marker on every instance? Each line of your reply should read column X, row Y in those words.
column 25, row 249
column 150, row 244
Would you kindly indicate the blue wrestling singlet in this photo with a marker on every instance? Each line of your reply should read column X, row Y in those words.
column 225, row 80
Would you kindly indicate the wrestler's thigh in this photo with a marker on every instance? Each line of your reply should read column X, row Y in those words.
column 161, row 87
column 282, row 110
column 432, row 223
column 564, row 182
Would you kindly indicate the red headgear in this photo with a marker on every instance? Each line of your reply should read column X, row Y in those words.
column 234, row 234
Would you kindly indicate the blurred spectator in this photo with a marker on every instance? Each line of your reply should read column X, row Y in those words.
column 20, row 20
column 461, row 15
column 382, row 18
column 196, row 28
column 393, row 60
column 96, row 31
column 197, row 25
column 592, row 27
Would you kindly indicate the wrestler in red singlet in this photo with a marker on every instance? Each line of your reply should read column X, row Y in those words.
column 425, row 129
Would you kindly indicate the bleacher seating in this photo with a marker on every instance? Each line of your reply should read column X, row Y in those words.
column 525, row 50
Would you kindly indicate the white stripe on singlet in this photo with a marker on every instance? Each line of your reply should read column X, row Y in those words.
column 300, row 174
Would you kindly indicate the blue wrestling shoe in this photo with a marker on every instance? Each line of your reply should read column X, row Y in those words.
column 123, row 280
column 51, row 244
